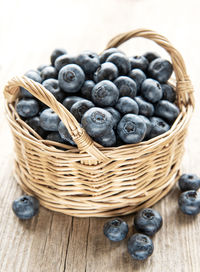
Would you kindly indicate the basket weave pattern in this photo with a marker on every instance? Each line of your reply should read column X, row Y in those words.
column 91, row 180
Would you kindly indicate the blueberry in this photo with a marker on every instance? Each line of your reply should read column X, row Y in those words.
column 150, row 56
column 86, row 89
column 151, row 90
column 41, row 67
column 108, row 139
column 167, row 111
column 80, row 107
column 139, row 62
column 138, row 76
column 97, row 121
column 27, row 107
column 115, row 115
column 55, row 137
column 71, row 78
column 189, row 182
column 158, row 127
column 56, row 53
column 34, row 75
column 109, row 52
column 148, row 221
column 64, row 133
column 49, row 72
column 148, row 125
column 52, row 86
column 168, row 92
column 70, row 100
column 127, row 105
column 105, row 94
column 140, row 246
column 115, row 229
column 126, row 86
column 64, row 60
column 49, row 120
column 25, row 207
column 145, row 108
column 34, row 123
column 131, row 129
column 88, row 61
column 121, row 61
column 160, row 69
column 107, row 70
column 189, row 202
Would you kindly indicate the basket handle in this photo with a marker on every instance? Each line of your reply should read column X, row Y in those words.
column 79, row 135
column 184, row 86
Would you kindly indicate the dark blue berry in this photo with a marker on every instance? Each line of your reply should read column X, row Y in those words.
column 158, row 127
column 34, row 123
column 109, row 52
column 121, row 61
column 126, row 86
column 80, row 107
column 148, row 125
column 115, row 229
column 27, row 107
column 148, row 221
column 108, row 139
column 64, row 133
column 107, row 70
column 86, row 89
column 167, row 111
column 52, row 86
column 34, row 75
column 138, row 76
column 127, row 105
column 145, row 108
column 71, row 78
column 41, row 67
column 70, row 100
column 56, row 53
column 49, row 72
column 49, row 120
column 160, row 69
column 150, row 56
column 140, row 246
column 131, row 129
column 105, row 94
column 151, row 90
column 115, row 115
column 139, row 62
column 189, row 182
column 168, row 92
column 97, row 121
column 88, row 61
column 25, row 207
column 55, row 137
column 64, row 60
column 189, row 202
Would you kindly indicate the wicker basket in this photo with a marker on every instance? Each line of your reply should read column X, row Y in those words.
column 91, row 180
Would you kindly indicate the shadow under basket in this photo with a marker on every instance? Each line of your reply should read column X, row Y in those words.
column 91, row 180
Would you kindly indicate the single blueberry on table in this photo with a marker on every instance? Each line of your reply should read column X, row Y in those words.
column 108, row 139
column 140, row 246
column 64, row 133
column 34, row 123
column 107, row 70
column 138, row 76
column 145, row 108
column 86, row 89
column 168, row 93
column 126, row 105
column 71, row 78
column 55, row 137
column 109, row 52
column 126, row 86
column 80, row 107
column 139, row 62
column 64, row 60
column 189, row 202
column 160, row 69
column 115, row 115
column 27, row 107
column 189, row 182
column 25, row 207
column 148, row 125
column 115, row 229
column 158, row 127
column 148, row 221
column 34, row 75
column 105, row 94
column 52, row 86
column 121, row 61
column 88, row 61
column 49, row 72
column 70, row 100
column 97, row 121
column 56, row 53
column 151, row 90
column 167, row 111
column 150, row 56
column 49, row 120
column 131, row 129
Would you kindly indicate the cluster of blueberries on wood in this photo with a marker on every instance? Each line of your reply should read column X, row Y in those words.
column 117, row 99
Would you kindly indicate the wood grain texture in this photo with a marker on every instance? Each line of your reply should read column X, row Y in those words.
column 29, row 31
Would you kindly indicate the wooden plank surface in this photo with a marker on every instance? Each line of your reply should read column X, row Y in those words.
column 29, row 31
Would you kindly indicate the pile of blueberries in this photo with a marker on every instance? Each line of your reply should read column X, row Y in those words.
column 117, row 99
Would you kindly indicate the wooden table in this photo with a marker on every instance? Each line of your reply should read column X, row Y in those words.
column 52, row 242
